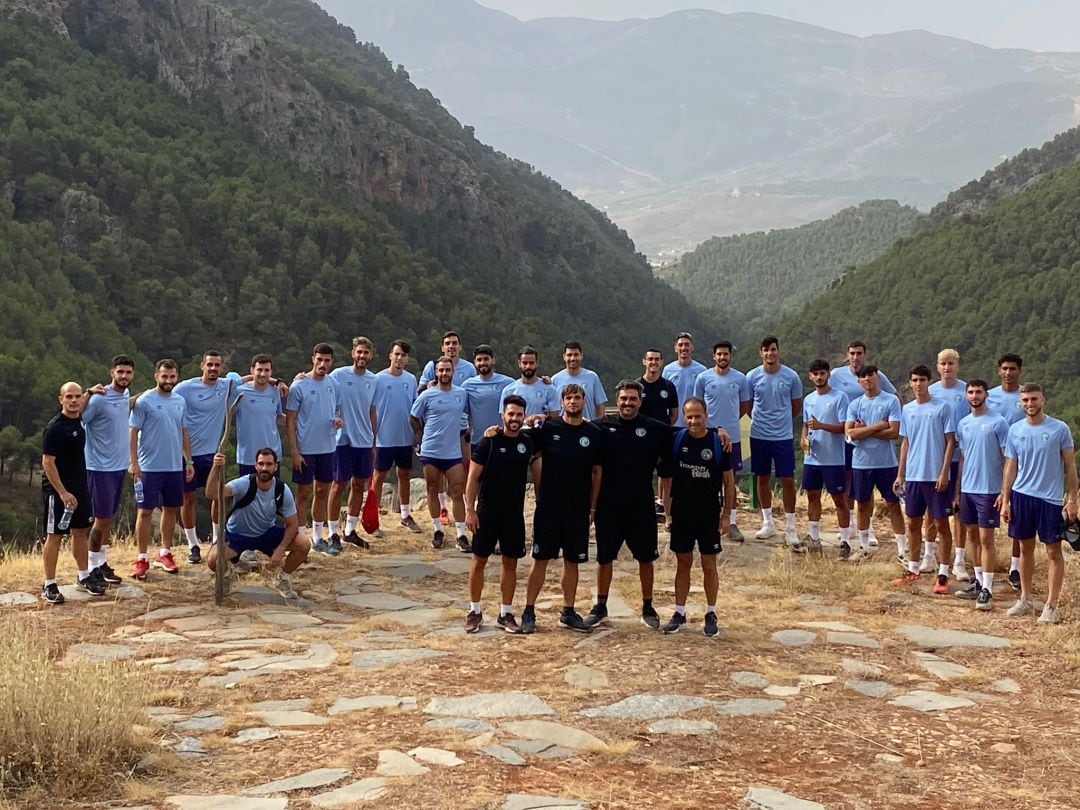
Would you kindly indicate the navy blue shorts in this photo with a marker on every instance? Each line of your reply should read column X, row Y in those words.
column 164, row 489
column 440, row 464
column 202, row 466
column 766, row 454
column 828, row 477
column 387, row 457
column 864, row 482
column 1034, row 515
column 950, row 490
column 979, row 510
column 106, row 488
column 353, row 462
column 317, row 467
column 267, row 542
column 921, row 497
column 736, row 457
column 849, row 454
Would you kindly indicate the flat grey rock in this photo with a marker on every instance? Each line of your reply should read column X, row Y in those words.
column 286, row 719
column 460, row 724
column 540, row 748
column 1006, row 686
column 436, row 756
column 503, row 754
column 933, row 637
column 809, row 680
column 253, row 735
column 293, row 619
column 852, row 640
column 357, row 704
column 649, row 707
column 172, row 612
column 453, row 565
column 206, row 723
column 582, row 677
column 297, row 704
column 377, row 659
column 332, row 616
column 377, row 638
column 226, row 802
column 365, row 790
column 317, row 656
column 491, row 704
column 158, row 637
column 874, row 689
column 776, row 690
column 556, row 734
column 183, row 665
column 940, row 668
column 414, row 571
column 380, row 601
column 836, row 627
column 321, row 777
column 186, row 624
column 746, row 707
column 794, row 638
column 17, row 598
column 395, row 763
column 763, row 798
column 417, row 618
column 925, row 701
column 751, row 680
column 261, row 595
column 189, row 745
column 525, row 801
column 682, row 727
column 84, row 651
column 863, row 669
column 826, row 610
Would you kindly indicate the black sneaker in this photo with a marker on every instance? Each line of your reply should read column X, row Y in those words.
column 437, row 539
column 51, row 594
column 570, row 620
column 463, row 545
column 194, row 555
column 98, row 577
column 1014, row 580
column 650, row 618
column 972, row 591
column 356, row 540
column 90, row 585
column 508, row 623
column 473, row 622
column 674, row 626
column 985, row 600
column 335, row 544
column 109, row 575
column 845, row 551
column 711, row 628
column 596, row 615
column 528, row 622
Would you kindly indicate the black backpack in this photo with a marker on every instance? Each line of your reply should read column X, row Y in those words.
column 248, row 497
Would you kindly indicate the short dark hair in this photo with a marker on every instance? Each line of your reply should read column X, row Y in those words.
column 570, row 388
column 629, row 384
column 483, row 348
column 654, row 349
column 514, row 399
column 442, row 359
column 323, row 348
column 723, row 344
column 1031, row 388
column 919, row 371
column 769, row 340
column 260, row 358
column 867, row 370
column 572, row 344
column 819, row 365
column 210, row 353
column 696, row 401
column 977, row 384
column 450, row 334
column 167, row 362
column 404, row 345
column 361, row 340
column 682, row 335
column 527, row 350
column 122, row 360
column 1011, row 358
column 267, row 451
column 857, row 344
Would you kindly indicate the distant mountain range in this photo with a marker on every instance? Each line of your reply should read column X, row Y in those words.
column 699, row 123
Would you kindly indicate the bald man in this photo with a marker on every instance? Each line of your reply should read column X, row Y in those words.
column 65, row 495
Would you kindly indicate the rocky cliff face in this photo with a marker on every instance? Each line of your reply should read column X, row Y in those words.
column 51, row 10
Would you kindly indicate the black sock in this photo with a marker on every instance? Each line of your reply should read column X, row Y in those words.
column 567, row 610
column 646, row 604
column 531, row 608
column 601, row 599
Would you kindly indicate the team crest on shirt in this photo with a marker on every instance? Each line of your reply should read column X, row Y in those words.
column 1045, row 437
column 521, row 447
column 663, row 394
column 640, row 432
column 583, row 441
column 706, row 454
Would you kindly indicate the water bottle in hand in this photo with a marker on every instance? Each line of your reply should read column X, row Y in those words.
column 138, row 491
column 65, row 519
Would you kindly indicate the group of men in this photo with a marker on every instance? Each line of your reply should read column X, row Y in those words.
column 481, row 435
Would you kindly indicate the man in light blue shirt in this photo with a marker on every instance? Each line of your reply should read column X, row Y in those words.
column 1039, row 457
column 252, row 525
column 927, row 440
column 775, row 400
column 683, row 371
column 588, row 380
column 846, row 378
column 312, row 419
column 395, row 392
column 873, row 424
column 436, row 416
column 727, row 399
column 822, row 440
column 259, row 413
column 484, row 393
column 540, row 397
column 1005, row 401
column 953, row 391
column 207, row 396
column 981, row 435
column 105, row 419
column 354, row 458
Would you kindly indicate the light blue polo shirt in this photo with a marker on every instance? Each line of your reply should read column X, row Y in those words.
column 257, row 415
column 205, row 414
column 595, row 397
column 684, row 379
column 982, row 442
column 1037, row 449
column 356, row 394
column 925, row 425
column 772, row 395
column 842, row 379
column 261, row 514
column 160, row 420
column 105, row 419
column 826, row 449
column 484, row 401
column 956, row 397
column 723, row 395
column 441, row 413
column 1006, row 404
column 315, row 403
column 539, row 396
column 874, row 453
column 394, row 397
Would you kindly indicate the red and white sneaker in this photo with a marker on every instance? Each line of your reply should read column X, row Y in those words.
column 909, row 578
column 165, row 562
column 444, row 517
column 139, row 568
column 942, row 584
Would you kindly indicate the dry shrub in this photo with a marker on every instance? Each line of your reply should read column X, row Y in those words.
column 825, row 575
column 68, row 729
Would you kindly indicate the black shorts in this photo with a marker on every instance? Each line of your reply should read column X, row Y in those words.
column 505, row 529
column 53, row 510
column 685, row 534
column 665, row 468
column 634, row 525
column 565, row 531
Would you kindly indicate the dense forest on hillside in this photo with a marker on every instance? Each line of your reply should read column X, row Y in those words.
column 748, row 282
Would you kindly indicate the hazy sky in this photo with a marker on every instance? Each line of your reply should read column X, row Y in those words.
column 1042, row 25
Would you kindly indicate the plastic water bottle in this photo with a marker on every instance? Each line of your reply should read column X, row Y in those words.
column 138, row 491
column 65, row 519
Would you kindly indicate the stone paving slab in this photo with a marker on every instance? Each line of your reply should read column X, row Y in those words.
column 555, row 733
column 524, row 801
column 226, row 802
column 924, row 701
column 321, row 777
column 933, row 637
column 365, row 790
column 377, row 659
column 345, row 705
column 489, row 705
column 763, row 798
column 649, row 707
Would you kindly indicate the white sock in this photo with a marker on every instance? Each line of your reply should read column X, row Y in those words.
column 789, row 521
column 815, row 530
column 988, row 580
column 733, row 514
column 680, row 609
column 95, row 558
column 978, row 575
column 901, row 544
column 462, row 529
column 766, row 516
column 191, row 537
column 864, row 539
column 405, row 509
column 50, row 582
column 930, row 551
column 1014, row 564
column 958, row 556
column 216, row 534
column 143, row 556
column 104, row 553
column 711, row 609
column 913, row 566
column 164, row 550
column 475, row 607
column 943, row 570
column 83, row 574
column 442, row 500
column 845, row 534
column 350, row 523
column 335, row 525
column 504, row 609
column 316, row 531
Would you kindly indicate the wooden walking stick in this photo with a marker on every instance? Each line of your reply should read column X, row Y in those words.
column 222, row 550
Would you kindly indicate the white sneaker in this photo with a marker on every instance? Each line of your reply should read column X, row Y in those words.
column 1022, row 607
column 283, row 585
column 793, row 543
column 872, row 540
column 902, row 560
column 959, row 572
column 1049, row 615
column 928, row 565
column 228, row 580
column 766, row 531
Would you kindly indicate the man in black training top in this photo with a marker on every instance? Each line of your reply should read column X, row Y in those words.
column 494, row 511
column 699, row 463
column 633, row 444
column 659, row 401
column 63, row 488
column 566, row 490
